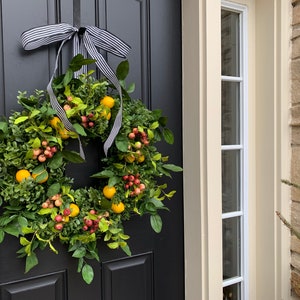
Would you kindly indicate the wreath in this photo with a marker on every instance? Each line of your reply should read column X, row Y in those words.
column 38, row 201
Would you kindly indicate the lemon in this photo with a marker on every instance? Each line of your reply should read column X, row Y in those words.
column 118, row 208
column 108, row 101
column 74, row 210
column 109, row 191
column 22, row 174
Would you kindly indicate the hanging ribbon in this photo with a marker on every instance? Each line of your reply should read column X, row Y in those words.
column 85, row 40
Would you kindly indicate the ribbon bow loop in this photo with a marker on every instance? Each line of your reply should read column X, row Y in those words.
column 85, row 40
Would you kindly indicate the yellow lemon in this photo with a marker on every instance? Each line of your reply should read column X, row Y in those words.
column 118, row 208
column 109, row 191
column 74, row 210
column 55, row 122
column 108, row 101
column 22, row 174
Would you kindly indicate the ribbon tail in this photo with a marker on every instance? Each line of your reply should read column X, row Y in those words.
column 114, row 132
column 110, row 75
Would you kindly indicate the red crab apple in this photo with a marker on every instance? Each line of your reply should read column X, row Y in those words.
column 59, row 226
column 58, row 218
column 67, row 211
column 131, row 135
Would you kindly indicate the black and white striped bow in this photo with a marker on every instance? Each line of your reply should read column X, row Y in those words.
column 85, row 40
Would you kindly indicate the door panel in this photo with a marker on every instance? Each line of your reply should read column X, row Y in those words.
column 152, row 28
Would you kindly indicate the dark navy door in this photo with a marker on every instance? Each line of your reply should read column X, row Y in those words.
column 153, row 29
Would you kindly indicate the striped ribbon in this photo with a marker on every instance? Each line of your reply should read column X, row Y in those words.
column 86, row 40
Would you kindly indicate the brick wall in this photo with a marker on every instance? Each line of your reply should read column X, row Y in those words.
column 295, row 142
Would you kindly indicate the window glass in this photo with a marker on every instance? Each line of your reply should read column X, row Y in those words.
column 230, row 43
column 230, row 113
column 231, row 181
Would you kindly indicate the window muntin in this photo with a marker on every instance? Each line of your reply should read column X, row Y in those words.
column 234, row 150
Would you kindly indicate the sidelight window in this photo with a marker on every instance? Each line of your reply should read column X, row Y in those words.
column 234, row 151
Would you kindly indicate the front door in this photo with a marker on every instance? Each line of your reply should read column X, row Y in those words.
column 153, row 30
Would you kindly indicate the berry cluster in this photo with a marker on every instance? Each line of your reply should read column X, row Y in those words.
column 91, row 224
column 134, row 184
column 87, row 122
column 141, row 137
column 55, row 200
column 44, row 152
column 60, row 219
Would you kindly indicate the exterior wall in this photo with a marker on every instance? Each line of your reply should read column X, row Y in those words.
column 295, row 144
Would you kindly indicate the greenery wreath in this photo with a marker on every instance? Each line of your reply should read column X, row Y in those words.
column 37, row 201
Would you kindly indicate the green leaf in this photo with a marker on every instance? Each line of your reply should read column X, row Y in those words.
column 162, row 120
column 157, row 156
column 79, row 129
column 124, row 236
column 26, row 230
column 45, row 211
column 3, row 127
column 172, row 167
column 36, row 143
column 20, row 120
column 156, row 223
column 53, row 189
column 126, row 249
column 118, row 166
column 80, row 265
column 79, row 252
column 103, row 174
column 122, row 70
column 34, row 113
column 68, row 77
column 22, row 221
column 122, row 143
column 103, row 225
column 2, row 235
column 168, row 136
column 113, row 180
column 12, row 230
column 87, row 273
column 107, row 236
column 154, row 125
column 131, row 88
column 113, row 245
column 24, row 241
column 31, row 261
column 72, row 156
column 78, row 61
column 56, row 161
column 170, row 194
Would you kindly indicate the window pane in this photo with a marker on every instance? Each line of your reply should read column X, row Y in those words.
column 231, row 247
column 230, row 43
column 232, row 292
column 230, row 113
column 231, row 178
